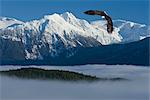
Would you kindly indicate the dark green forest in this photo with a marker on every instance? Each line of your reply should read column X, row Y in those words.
column 42, row 74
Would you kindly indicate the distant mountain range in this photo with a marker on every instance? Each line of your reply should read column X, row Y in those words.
column 63, row 39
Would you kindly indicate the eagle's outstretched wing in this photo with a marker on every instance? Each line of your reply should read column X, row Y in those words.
column 102, row 13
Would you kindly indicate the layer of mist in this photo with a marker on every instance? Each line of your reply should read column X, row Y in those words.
column 135, row 89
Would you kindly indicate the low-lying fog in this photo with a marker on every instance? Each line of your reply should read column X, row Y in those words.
column 137, row 88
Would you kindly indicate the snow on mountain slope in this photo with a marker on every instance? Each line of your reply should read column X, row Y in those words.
column 129, row 31
column 5, row 22
column 132, row 31
column 56, row 33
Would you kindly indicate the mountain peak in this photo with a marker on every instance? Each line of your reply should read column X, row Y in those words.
column 55, row 15
column 68, row 15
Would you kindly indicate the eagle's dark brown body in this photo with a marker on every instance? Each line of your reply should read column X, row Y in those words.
column 102, row 13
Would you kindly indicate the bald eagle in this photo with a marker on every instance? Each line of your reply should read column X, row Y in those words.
column 103, row 14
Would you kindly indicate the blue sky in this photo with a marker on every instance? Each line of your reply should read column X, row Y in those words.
column 133, row 10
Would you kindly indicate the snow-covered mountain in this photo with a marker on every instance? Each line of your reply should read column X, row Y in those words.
column 128, row 30
column 5, row 22
column 56, row 33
